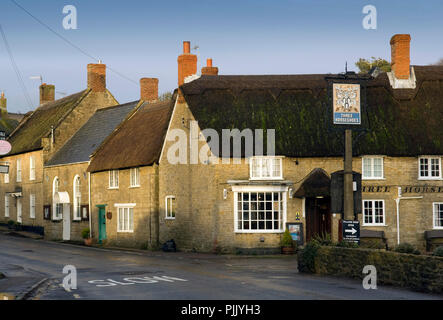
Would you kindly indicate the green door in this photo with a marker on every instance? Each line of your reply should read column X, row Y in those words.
column 101, row 223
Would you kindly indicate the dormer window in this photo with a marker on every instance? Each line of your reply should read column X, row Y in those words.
column 266, row 168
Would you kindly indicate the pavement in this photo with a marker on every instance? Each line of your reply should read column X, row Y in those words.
column 34, row 270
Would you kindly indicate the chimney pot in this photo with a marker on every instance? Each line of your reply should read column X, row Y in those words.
column 187, row 63
column 97, row 77
column 149, row 89
column 209, row 70
column 186, row 47
column 400, row 55
column 47, row 93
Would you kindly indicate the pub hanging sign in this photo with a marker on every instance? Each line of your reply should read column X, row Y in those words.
column 346, row 103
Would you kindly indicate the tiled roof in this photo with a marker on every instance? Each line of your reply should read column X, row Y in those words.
column 89, row 137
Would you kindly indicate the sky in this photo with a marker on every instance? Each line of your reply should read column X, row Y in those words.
column 142, row 38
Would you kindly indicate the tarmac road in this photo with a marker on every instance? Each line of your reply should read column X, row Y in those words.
column 116, row 274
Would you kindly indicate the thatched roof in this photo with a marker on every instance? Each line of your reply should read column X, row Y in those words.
column 28, row 135
column 137, row 141
column 89, row 137
column 402, row 122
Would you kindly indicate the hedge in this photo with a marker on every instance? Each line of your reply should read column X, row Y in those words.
column 417, row 272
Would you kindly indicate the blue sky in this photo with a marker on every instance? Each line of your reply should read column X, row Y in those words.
column 143, row 38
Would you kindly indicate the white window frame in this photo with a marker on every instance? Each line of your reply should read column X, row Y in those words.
column 76, row 201
column 371, row 177
column 429, row 177
column 134, row 177
column 130, row 207
column 113, row 179
column 373, row 212
column 32, row 206
column 282, row 189
column 31, row 168
column 7, row 202
column 56, row 206
column 19, row 170
column 169, row 208
column 434, row 215
column 271, row 160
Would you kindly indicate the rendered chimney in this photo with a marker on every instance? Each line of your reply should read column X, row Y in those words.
column 47, row 93
column 3, row 110
column 149, row 89
column 187, row 63
column 209, row 70
column 400, row 55
column 97, row 77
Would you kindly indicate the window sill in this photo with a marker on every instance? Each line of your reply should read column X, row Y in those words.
column 259, row 231
column 374, row 225
column 125, row 231
column 169, row 218
column 437, row 228
column 430, row 179
column 113, row 188
column 133, row 187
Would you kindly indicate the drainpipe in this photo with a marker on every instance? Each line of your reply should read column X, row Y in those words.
column 397, row 202
column 89, row 204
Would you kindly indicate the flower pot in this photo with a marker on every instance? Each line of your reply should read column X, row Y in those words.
column 88, row 242
column 287, row 250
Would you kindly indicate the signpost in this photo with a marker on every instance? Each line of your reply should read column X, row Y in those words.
column 351, row 231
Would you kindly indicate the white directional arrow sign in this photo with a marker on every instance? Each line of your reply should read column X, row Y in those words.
column 352, row 230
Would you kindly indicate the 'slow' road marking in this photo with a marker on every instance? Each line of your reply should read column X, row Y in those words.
column 134, row 280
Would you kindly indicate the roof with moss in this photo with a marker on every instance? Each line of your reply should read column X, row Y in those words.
column 400, row 122
column 28, row 135
column 8, row 125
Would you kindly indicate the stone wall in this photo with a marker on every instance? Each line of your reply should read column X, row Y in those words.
column 144, row 209
column 418, row 272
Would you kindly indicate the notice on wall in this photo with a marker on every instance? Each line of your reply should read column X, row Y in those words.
column 346, row 103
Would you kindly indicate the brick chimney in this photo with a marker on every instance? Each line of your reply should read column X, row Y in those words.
column 3, row 110
column 187, row 63
column 209, row 70
column 400, row 55
column 149, row 89
column 97, row 77
column 47, row 93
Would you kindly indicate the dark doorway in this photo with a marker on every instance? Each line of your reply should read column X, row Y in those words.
column 318, row 217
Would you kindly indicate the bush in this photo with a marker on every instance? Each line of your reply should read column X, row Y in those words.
column 10, row 223
column 86, row 233
column 438, row 251
column 17, row 226
column 286, row 241
column 347, row 244
column 307, row 257
column 406, row 248
column 323, row 239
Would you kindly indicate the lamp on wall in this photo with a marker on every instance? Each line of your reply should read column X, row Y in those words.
column 290, row 193
column 225, row 194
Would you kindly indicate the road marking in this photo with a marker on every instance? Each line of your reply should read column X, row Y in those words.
column 134, row 280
